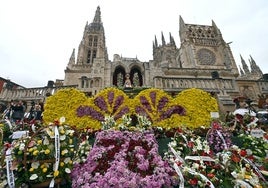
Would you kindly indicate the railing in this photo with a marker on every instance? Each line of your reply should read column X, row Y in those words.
column 27, row 94
column 202, row 83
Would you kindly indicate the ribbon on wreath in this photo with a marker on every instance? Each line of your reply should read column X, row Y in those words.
column 257, row 170
column 176, row 167
column 57, row 154
column 10, row 175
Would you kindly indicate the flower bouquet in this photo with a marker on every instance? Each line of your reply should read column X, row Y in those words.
column 45, row 156
column 124, row 159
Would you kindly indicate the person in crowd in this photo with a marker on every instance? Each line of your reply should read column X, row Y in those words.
column 18, row 110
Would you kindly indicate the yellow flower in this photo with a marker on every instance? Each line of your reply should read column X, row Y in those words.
column 39, row 142
column 63, row 152
column 44, row 170
column 247, row 176
column 70, row 141
column 35, row 152
column 31, row 169
column 56, row 173
column 62, row 131
column 31, row 150
column 47, row 151
column 61, row 164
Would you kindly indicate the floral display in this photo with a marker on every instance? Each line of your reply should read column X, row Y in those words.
column 198, row 105
column 35, row 156
column 157, row 106
column 64, row 104
column 108, row 102
column 150, row 140
column 124, row 159
column 199, row 164
column 218, row 137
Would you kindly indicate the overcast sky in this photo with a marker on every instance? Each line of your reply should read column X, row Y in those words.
column 37, row 36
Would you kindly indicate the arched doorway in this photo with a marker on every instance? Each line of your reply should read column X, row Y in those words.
column 136, row 77
column 119, row 76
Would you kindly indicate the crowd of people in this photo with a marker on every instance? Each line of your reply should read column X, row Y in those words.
column 17, row 110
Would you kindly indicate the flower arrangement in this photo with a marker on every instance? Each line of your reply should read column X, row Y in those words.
column 35, row 157
column 156, row 105
column 199, row 164
column 198, row 105
column 108, row 102
column 194, row 160
column 64, row 104
column 124, row 159
column 241, row 169
column 218, row 137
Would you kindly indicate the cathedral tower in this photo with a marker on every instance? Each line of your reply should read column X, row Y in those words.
column 90, row 70
column 203, row 47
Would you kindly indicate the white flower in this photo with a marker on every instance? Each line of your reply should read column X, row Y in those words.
column 35, row 165
column 62, row 137
column 195, row 165
column 33, row 177
column 67, row 170
column 67, row 160
column 46, row 141
column 22, row 146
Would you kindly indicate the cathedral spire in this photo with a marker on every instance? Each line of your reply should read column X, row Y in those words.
column 72, row 58
column 244, row 65
column 254, row 67
column 182, row 30
column 163, row 39
column 155, row 41
column 241, row 71
column 171, row 39
column 97, row 18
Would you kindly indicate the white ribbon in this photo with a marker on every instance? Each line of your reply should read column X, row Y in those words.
column 199, row 158
column 10, row 175
column 222, row 138
column 176, row 154
column 255, row 168
column 57, row 154
column 176, row 167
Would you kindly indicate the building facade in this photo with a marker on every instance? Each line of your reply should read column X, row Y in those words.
column 202, row 60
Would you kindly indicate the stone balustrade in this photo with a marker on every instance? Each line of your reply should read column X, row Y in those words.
column 29, row 94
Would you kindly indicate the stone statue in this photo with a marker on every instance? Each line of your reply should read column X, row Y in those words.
column 127, row 82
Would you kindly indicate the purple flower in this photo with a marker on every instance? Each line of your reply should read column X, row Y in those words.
column 89, row 111
column 173, row 110
column 118, row 102
column 110, row 97
column 101, row 103
column 122, row 112
column 153, row 97
column 139, row 149
column 145, row 103
column 161, row 103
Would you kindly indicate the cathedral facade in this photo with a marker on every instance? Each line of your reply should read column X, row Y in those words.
column 203, row 60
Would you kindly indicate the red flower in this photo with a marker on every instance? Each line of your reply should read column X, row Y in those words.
column 56, row 122
column 193, row 181
column 210, row 175
column 243, row 153
column 235, row 158
column 190, row 144
column 216, row 125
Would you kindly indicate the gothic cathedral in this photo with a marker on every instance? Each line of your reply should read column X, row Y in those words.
column 203, row 60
